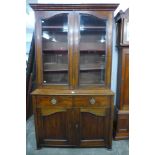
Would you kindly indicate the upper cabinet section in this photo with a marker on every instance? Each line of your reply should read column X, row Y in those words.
column 122, row 27
column 73, row 45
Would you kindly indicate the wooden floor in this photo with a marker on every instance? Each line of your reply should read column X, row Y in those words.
column 118, row 148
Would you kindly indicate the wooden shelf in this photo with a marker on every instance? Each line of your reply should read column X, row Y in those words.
column 92, row 46
column 58, row 70
column 85, row 27
column 49, row 46
column 84, row 83
column 52, row 27
column 93, row 27
column 60, row 46
column 51, row 51
column 91, row 82
column 49, row 67
column 98, row 66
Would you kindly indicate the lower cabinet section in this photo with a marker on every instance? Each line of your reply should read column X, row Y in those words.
column 121, row 125
column 73, row 125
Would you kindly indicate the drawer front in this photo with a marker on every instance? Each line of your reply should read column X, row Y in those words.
column 92, row 101
column 54, row 101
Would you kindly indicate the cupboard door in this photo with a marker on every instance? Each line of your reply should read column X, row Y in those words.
column 94, row 126
column 92, row 48
column 55, row 126
column 54, row 48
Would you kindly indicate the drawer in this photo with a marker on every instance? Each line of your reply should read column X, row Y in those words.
column 54, row 101
column 91, row 101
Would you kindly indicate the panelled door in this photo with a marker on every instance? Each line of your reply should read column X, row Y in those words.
column 54, row 125
column 94, row 126
column 55, row 120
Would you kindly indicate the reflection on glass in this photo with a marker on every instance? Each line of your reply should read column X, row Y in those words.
column 92, row 50
column 57, row 20
column 126, row 36
column 55, row 49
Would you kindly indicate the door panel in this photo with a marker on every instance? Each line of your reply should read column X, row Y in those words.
column 92, row 51
column 55, row 126
column 124, row 98
column 54, row 49
column 93, row 126
column 93, row 130
column 92, row 46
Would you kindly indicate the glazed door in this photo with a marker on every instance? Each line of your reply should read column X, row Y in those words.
column 74, row 49
column 92, row 49
column 54, row 49
column 55, row 126
column 94, row 127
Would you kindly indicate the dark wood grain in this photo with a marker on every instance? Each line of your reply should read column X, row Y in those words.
column 93, row 135
column 69, row 113
column 73, row 7
column 86, row 101
column 55, row 127
column 62, row 101
column 38, row 54
column 37, row 133
column 97, row 91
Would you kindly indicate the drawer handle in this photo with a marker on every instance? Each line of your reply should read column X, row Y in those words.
column 53, row 101
column 92, row 101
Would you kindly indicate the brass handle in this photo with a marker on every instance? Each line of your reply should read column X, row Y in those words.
column 92, row 101
column 53, row 101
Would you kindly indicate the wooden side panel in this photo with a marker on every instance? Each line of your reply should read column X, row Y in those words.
column 38, row 123
column 38, row 50
column 121, row 124
column 125, row 78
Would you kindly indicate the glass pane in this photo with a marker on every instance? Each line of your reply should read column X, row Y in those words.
column 92, row 50
column 126, row 31
column 55, row 49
